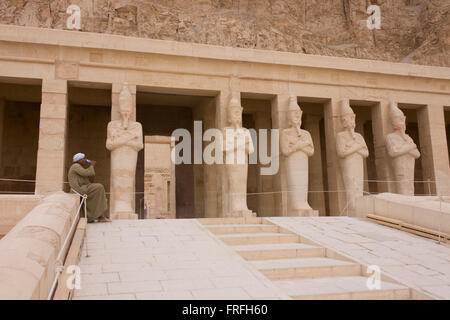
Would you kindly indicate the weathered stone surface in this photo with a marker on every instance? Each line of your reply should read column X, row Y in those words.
column 124, row 141
column 29, row 251
column 297, row 146
column 413, row 31
column 403, row 152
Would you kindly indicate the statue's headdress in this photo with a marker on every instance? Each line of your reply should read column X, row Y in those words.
column 394, row 111
column 125, row 98
column 235, row 101
column 345, row 108
column 293, row 104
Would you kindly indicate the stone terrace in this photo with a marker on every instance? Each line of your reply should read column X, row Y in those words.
column 181, row 259
column 166, row 259
column 418, row 262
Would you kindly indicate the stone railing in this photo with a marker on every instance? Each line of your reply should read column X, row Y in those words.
column 29, row 251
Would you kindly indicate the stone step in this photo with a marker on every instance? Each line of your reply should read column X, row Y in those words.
column 341, row 288
column 279, row 251
column 220, row 221
column 306, row 268
column 258, row 238
column 243, row 228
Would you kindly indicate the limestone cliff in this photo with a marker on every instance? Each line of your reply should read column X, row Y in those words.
column 413, row 31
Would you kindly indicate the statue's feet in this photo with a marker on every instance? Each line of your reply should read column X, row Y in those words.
column 104, row 219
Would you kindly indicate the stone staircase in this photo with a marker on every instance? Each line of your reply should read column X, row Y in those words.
column 301, row 268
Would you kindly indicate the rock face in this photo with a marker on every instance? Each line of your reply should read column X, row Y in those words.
column 412, row 31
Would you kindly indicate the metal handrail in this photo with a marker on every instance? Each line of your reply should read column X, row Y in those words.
column 60, row 265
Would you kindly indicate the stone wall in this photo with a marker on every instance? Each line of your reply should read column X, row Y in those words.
column 28, row 252
column 413, row 31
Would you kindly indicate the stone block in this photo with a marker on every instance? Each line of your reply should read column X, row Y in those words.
column 32, row 247
column 54, row 86
column 53, row 111
column 50, row 127
column 66, row 70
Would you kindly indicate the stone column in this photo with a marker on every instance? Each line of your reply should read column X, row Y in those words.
column 316, row 200
column 115, row 115
column 335, row 183
column 266, row 206
column 50, row 171
column 433, row 143
column 381, row 127
column 279, row 121
column 221, row 120
column 2, row 115
column 360, row 129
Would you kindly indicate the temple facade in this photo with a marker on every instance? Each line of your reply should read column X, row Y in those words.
column 60, row 89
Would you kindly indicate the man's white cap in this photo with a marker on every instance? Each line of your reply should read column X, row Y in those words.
column 78, row 157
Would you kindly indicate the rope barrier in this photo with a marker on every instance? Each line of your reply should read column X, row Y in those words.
column 364, row 180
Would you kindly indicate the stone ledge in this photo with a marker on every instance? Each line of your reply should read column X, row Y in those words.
column 426, row 212
column 28, row 252
column 124, row 43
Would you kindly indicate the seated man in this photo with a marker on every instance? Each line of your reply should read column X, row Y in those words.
column 78, row 176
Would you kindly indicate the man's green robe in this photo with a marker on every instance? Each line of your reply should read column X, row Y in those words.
column 79, row 181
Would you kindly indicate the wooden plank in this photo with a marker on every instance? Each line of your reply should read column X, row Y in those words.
column 400, row 225
column 73, row 257
column 390, row 220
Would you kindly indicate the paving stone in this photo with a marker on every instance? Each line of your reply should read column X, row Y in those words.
column 442, row 292
column 133, row 286
column 89, row 289
column 165, row 295
column 221, row 294
column 186, row 284
column 128, row 296
column 100, row 278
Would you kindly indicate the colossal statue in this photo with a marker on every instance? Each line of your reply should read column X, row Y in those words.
column 296, row 146
column 402, row 151
column 237, row 146
column 351, row 150
column 124, row 140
